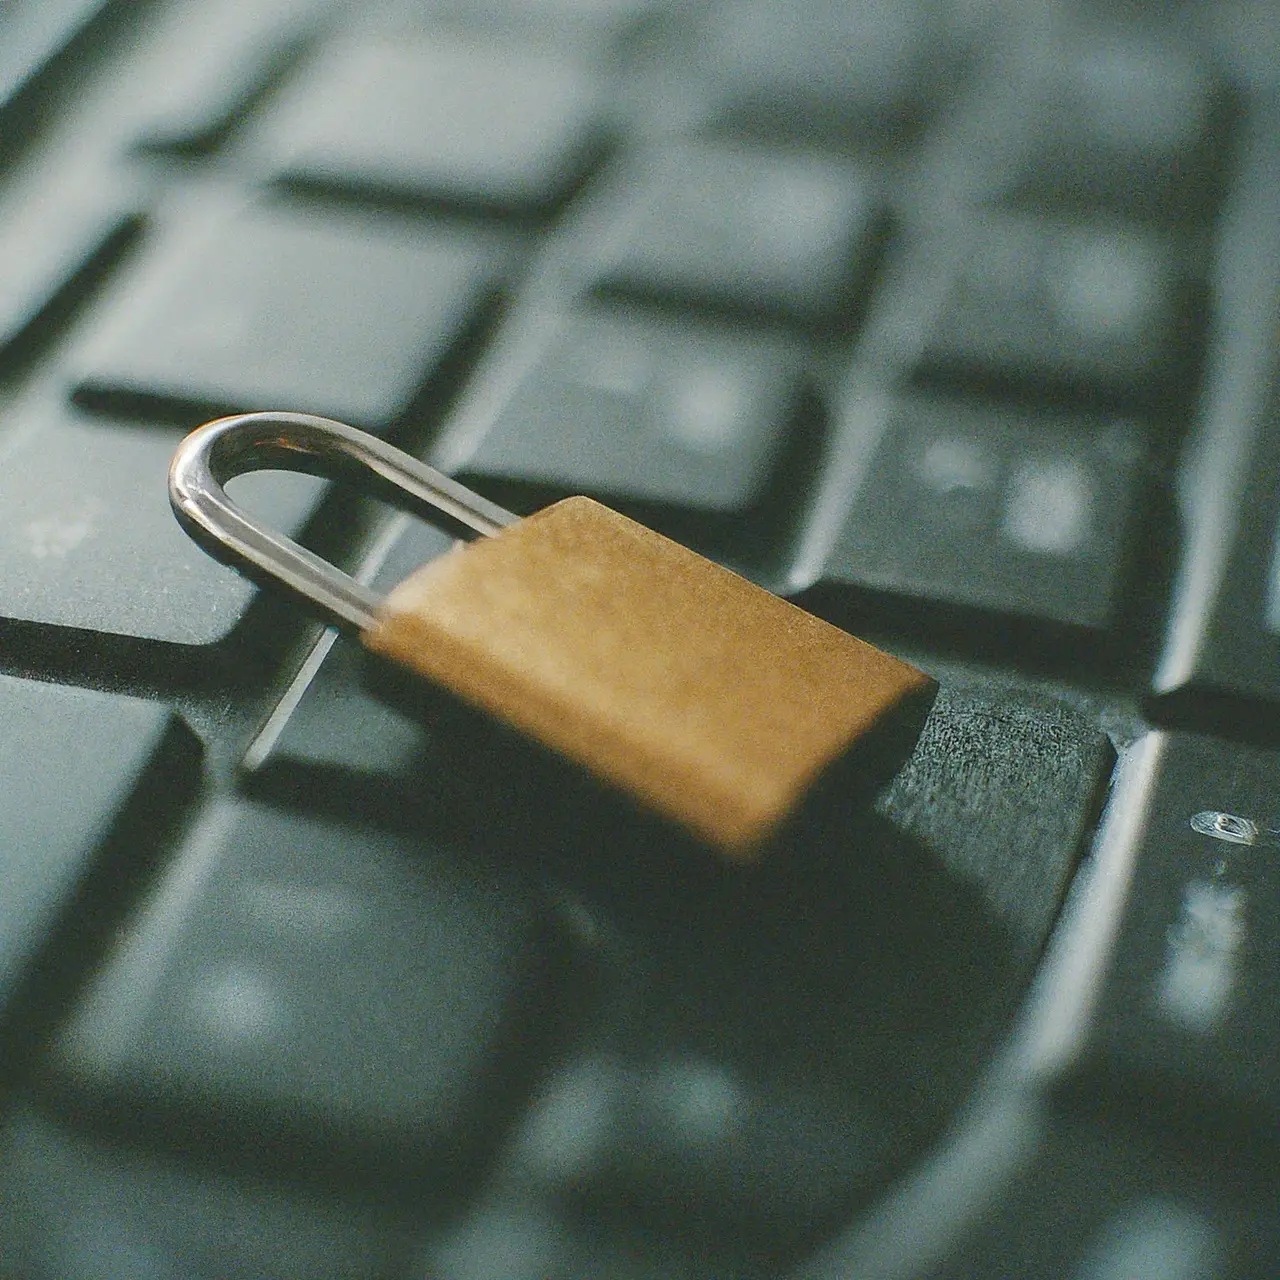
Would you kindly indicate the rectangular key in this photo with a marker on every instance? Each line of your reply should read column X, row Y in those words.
column 309, row 987
column 345, row 314
column 72, row 1204
column 501, row 126
column 1088, row 1202
column 1088, row 311
column 77, row 766
column 744, row 228
column 639, row 407
column 1017, row 511
column 1132, row 119
column 87, row 540
column 860, row 72
column 52, row 236
column 1220, row 667
column 1191, row 992
column 32, row 34
column 208, row 62
column 331, row 743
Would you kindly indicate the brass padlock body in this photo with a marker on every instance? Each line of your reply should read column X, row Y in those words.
column 701, row 695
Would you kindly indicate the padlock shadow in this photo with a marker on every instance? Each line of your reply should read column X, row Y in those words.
column 844, row 915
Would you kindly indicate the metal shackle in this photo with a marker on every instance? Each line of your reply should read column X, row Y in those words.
column 227, row 447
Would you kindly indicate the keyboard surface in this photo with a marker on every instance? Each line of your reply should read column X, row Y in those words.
column 953, row 322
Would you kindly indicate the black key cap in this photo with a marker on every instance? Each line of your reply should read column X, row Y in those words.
column 1130, row 121
column 494, row 125
column 32, row 34
column 51, row 237
column 1192, row 989
column 745, row 227
column 862, row 72
column 1221, row 662
column 1091, row 311
column 1020, row 512
column 640, row 407
column 87, row 539
column 342, row 315
column 1099, row 1204
column 80, row 1208
column 73, row 764
column 210, row 62
column 520, row 1238
column 317, row 991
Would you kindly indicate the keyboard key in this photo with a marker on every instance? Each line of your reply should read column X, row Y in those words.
column 1032, row 771
column 32, row 35
column 316, row 989
column 1220, row 667
column 499, row 126
column 210, row 61
column 1191, row 990
column 631, row 406
column 1020, row 512
column 342, row 315
column 73, row 763
column 1089, row 311
column 1090, row 1204
column 520, row 1238
column 80, row 1208
column 744, row 227
column 87, row 539
column 864, row 72
column 1130, row 121
column 50, row 239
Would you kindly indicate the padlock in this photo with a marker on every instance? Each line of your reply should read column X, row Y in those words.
column 697, row 693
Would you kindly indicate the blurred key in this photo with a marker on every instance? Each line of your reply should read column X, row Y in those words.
column 53, row 235
column 1020, row 512
column 74, row 761
column 1093, row 1204
column 747, row 228
column 32, row 34
column 1190, row 998
column 520, row 1238
column 87, row 539
column 211, row 60
column 640, row 407
column 82, row 1208
column 471, row 122
column 1090, row 311
column 343, row 315
column 863, row 72
column 1221, row 662
column 1131, row 121
column 319, row 991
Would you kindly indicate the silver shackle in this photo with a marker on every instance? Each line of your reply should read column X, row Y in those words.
column 220, row 450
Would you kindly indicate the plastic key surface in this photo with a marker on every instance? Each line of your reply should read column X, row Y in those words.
column 505, row 127
column 346, row 314
column 72, row 760
column 340, row 989
column 79, row 499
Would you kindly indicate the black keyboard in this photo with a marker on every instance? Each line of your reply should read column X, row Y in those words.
column 953, row 322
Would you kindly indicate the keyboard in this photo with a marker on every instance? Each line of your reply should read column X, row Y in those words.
column 952, row 321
